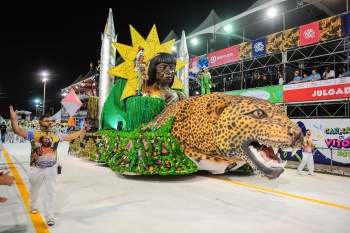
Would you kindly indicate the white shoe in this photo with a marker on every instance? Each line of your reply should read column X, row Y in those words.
column 50, row 221
column 33, row 210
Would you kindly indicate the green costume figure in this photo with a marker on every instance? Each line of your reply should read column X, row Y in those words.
column 205, row 79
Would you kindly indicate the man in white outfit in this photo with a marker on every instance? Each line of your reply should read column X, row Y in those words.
column 43, row 161
column 308, row 154
column 328, row 74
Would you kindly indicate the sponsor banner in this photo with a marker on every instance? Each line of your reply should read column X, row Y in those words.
column 309, row 33
column 342, row 80
column 273, row 93
column 300, row 85
column 288, row 87
column 223, row 56
column 328, row 82
column 314, row 84
column 317, row 93
column 259, row 47
column 330, row 138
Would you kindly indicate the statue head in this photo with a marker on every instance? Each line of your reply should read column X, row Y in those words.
column 162, row 69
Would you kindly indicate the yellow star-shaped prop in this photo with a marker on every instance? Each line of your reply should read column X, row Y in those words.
column 151, row 47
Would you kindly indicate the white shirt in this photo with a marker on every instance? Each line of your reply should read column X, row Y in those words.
column 331, row 74
column 280, row 81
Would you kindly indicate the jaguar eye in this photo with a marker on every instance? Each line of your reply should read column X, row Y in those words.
column 258, row 114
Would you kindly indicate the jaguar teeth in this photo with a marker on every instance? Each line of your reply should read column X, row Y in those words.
column 275, row 150
column 270, row 164
column 289, row 149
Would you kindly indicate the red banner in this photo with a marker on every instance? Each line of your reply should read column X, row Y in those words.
column 309, row 33
column 317, row 93
column 223, row 56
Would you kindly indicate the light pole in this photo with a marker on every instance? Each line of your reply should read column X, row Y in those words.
column 44, row 80
column 36, row 107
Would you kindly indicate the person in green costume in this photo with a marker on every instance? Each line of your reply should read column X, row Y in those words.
column 205, row 81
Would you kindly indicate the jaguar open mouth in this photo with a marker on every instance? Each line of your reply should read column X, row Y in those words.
column 267, row 159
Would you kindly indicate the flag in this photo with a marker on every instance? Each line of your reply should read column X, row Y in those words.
column 309, row 33
column 259, row 47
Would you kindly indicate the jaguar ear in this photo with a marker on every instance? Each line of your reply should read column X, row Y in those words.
column 215, row 107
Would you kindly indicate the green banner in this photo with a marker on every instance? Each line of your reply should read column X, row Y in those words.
column 273, row 94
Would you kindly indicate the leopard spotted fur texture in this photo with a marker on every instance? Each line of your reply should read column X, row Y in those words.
column 221, row 132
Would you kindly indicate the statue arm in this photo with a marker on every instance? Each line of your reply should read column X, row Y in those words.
column 181, row 95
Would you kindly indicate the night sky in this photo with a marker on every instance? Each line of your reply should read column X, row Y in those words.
column 63, row 37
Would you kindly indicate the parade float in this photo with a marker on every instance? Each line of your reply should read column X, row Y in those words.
column 143, row 135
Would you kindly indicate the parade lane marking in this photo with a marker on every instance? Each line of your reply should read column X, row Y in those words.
column 38, row 222
column 282, row 193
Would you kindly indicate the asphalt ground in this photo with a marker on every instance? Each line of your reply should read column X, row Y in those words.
column 93, row 198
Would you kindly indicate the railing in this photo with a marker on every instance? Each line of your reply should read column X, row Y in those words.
column 326, row 164
column 347, row 152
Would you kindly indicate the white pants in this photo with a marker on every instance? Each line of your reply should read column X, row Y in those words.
column 48, row 176
column 308, row 158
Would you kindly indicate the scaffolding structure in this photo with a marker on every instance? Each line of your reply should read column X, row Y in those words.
column 332, row 53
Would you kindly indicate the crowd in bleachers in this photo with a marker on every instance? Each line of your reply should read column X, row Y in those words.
column 268, row 77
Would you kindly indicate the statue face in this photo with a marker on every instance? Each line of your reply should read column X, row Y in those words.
column 165, row 73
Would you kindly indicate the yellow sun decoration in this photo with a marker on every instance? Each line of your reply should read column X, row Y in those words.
column 151, row 47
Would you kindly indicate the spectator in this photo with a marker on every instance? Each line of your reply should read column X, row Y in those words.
column 10, row 134
column 305, row 78
column 5, row 179
column 314, row 76
column 3, row 129
column 345, row 73
column 255, row 82
column 280, row 79
column 263, row 82
column 296, row 78
column 328, row 73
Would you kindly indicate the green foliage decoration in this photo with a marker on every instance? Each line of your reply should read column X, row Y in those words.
column 145, row 151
